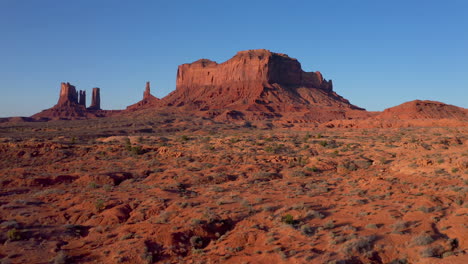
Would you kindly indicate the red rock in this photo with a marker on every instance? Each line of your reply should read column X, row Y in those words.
column 82, row 98
column 96, row 100
column 68, row 95
column 148, row 100
column 72, row 105
column 253, row 80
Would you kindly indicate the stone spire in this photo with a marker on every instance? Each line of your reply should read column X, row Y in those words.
column 96, row 99
column 82, row 98
column 147, row 92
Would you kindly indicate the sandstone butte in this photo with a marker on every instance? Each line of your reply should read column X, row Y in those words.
column 256, row 85
column 72, row 105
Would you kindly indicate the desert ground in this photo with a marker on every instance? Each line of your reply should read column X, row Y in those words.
column 189, row 190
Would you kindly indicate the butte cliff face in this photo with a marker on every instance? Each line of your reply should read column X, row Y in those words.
column 254, row 80
column 95, row 100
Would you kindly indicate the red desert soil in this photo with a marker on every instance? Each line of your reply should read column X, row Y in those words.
column 174, row 189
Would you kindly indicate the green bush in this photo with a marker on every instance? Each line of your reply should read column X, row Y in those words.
column 14, row 234
column 288, row 219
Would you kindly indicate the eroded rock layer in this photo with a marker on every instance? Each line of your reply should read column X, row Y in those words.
column 255, row 80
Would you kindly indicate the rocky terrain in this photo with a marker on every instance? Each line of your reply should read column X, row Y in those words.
column 252, row 160
column 178, row 189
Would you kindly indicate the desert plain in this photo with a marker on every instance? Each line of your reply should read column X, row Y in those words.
column 178, row 189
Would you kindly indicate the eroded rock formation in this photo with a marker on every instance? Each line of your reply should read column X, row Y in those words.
column 253, row 80
column 147, row 93
column 148, row 100
column 68, row 95
column 72, row 105
column 82, row 98
column 95, row 99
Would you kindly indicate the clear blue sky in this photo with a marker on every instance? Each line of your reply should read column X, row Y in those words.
column 378, row 53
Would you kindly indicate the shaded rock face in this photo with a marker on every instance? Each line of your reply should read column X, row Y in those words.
column 256, row 80
column 95, row 99
column 68, row 95
column 82, row 99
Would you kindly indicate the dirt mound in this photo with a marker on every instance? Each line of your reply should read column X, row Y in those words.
column 419, row 109
column 415, row 113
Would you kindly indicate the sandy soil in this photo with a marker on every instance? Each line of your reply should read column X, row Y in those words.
column 200, row 192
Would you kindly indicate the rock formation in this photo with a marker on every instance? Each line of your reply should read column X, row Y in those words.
column 254, row 80
column 82, row 98
column 147, row 93
column 68, row 95
column 256, row 85
column 95, row 100
column 72, row 105
column 148, row 100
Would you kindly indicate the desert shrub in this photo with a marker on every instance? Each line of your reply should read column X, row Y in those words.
column 265, row 176
column 99, row 205
column 399, row 261
column 128, row 144
column 426, row 209
column 288, row 219
column 361, row 245
column 61, row 258
column 315, row 214
column 329, row 225
column 364, row 164
column 434, row 251
column 127, row 236
column 137, row 150
column 270, row 208
column 399, row 226
column 93, row 185
column 372, row 226
column 348, row 165
column 275, row 148
column 196, row 242
column 14, row 234
column 312, row 169
column 307, row 230
column 421, row 240
column 298, row 173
